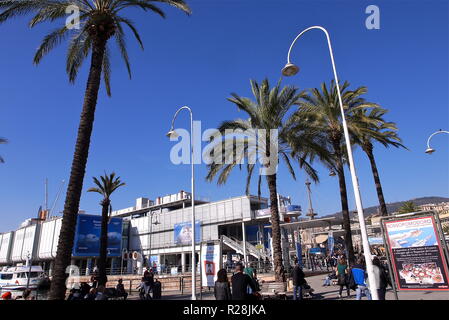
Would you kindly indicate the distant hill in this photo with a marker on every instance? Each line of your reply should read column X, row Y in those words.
column 394, row 206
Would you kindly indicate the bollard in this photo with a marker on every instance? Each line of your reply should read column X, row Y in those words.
column 182, row 285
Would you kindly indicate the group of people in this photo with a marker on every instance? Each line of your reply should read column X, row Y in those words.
column 97, row 292
column 26, row 295
column 243, row 284
column 355, row 278
column 149, row 287
column 321, row 262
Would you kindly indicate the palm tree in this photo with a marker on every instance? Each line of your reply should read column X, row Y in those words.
column 266, row 112
column 408, row 206
column 320, row 109
column 105, row 187
column 2, row 141
column 99, row 21
column 384, row 133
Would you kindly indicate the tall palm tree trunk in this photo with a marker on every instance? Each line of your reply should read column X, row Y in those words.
column 276, row 229
column 344, row 202
column 74, row 188
column 380, row 194
column 103, row 243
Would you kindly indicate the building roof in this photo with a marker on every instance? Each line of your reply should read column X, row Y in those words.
column 312, row 223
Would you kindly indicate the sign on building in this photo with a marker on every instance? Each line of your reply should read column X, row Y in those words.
column 87, row 236
column 183, row 233
column 416, row 253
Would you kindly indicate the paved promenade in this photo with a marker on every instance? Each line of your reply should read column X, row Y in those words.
column 321, row 293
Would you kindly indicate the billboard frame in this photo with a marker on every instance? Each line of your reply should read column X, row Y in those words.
column 443, row 249
column 218, row 243
column 75, row 251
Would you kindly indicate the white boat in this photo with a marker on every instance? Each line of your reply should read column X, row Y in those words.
column 16, row 278
column 422, row 242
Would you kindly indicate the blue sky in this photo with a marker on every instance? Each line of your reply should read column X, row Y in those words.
column 198, row 61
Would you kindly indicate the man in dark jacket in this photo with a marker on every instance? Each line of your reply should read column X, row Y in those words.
column 298, row 277
column 240, row 283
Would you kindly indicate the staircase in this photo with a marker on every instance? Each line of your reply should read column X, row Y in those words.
column 238, row 247
column 252, row 249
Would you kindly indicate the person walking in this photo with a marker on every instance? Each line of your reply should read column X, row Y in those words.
column 342, row 277
column 240, row 283
column 149, row 282
column 298, row 278
column 381, row 278
column 359, row 275
column 251, row 272
column 222, row 289
column 144, row 289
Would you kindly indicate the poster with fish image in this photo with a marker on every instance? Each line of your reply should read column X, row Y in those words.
column 417, row 255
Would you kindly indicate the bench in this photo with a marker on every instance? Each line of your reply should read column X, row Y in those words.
column 274, row 290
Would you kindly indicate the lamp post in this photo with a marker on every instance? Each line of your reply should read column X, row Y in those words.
column 429, row 150
column 172, row 135
column 29, row 270
column 291, row 69
column 150, row 265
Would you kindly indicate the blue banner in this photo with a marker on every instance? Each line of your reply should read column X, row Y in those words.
column 317, row 250
column 299, row 253
column 183, row 233
column 87, row 237
column 293, row 208
column 330, row 243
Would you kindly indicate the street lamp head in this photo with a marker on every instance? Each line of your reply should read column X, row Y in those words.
column 430, row 150
column 290, row 70
column 172, row 134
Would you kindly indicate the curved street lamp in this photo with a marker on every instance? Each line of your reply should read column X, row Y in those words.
column 172, row 135
column 291, row 69
column 151, row 214
column 430, row 150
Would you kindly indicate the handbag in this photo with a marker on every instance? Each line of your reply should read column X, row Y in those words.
column 351, row 283
column 342, row 280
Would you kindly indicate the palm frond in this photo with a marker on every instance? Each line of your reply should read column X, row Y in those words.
column 50, row 41
column 121, row 43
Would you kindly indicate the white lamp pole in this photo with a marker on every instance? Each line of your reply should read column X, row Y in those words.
column 151, row 213
column 290, row 70
column 429, row 150
column 172, row 135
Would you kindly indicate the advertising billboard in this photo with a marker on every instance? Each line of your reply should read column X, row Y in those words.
column 417, row 255
column 183, row 233
column 210, row 263
column 87, row 237
column 290, row 209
